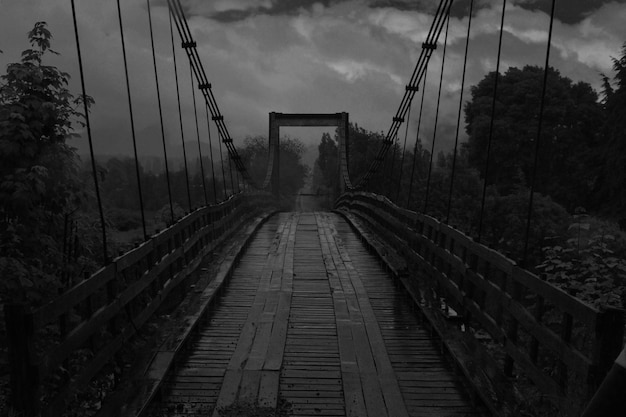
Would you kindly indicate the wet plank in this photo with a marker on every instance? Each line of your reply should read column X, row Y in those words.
column 311, row 318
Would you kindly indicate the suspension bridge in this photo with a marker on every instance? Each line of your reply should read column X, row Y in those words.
column 372, row 309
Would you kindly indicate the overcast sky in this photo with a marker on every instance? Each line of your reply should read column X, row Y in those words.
column 303, row 56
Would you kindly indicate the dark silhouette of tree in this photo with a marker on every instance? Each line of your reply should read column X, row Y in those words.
column 293, row 171
column 568, row 162
column 612, row 184
column 39, row 183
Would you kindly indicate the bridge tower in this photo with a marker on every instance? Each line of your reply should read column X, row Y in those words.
column 276, row 120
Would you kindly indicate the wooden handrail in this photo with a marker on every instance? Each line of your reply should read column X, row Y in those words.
column 491, row 292
column 130, row 289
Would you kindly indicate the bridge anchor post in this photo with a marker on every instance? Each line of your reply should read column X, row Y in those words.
column 24, row 372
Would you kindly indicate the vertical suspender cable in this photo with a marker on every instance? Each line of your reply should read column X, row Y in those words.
column 158, row 91
column 180, row 115
column 493, row 115
column 223, row 173
column 132, row 122
column 417, row 138
column 94, row 173
column 208, row 125
column 393, row 163
column 195, row 114
column 230, row 171
column 406, row 133
column 458, row 119
column 432, row 147
column 537, row 142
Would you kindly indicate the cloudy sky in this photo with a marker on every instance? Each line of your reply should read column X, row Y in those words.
column 303, row 56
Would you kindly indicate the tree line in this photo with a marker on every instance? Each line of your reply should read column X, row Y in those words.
column 579, row 187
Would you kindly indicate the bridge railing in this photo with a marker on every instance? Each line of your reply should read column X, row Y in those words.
column 89, row 323
column 563, row 345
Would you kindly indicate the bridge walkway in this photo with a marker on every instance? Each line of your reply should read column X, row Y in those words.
column 310, row 323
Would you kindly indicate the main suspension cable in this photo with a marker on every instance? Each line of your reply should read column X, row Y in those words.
column 428, row 47
column 458, row 118
column 94, row 171
column 189, row 45
column 132, row 123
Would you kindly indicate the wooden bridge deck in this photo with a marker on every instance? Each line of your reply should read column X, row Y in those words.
column 309, row 319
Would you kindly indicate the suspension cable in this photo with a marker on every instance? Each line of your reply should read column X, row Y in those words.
column 432, row 147
column 195, row 114
column 223, row 173
column 458, row 119
column 132, row 122
column 189, row 45
column 537, row 142
column 230, row 171
column 406, row 133
column 393, row 163
column 428, row 47
column 208, row 123
column 417, row 138
column 158, row 91
column 94, row 172
column 493, row 115
column 180, row 115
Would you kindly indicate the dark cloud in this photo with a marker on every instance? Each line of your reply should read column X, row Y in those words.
column 427, row 6
column 569, row 12
column 277, row 8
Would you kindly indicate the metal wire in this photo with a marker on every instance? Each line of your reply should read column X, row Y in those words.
column 417, row 138
column 180, row 115
column 538, row 141
column 458, row 119
column 208, row 124
column 158, row 91
column 94, row 172
column 432, row 147
column 223, row 173
column 428, row 47
column 493, row 115
column 406, row 133
column 190, row 48
column 195, row 114
column 132, row 122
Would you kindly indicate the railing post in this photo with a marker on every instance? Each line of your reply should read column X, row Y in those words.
column 24, row 373
column 609, row 337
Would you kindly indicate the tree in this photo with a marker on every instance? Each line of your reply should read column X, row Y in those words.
column 327, row 164
column 612, row 182
column 39, row 182
column 568, row 163
column 293, row 171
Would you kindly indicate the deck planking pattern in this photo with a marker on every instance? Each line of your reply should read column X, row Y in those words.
column 429, row 385
column 309, row 317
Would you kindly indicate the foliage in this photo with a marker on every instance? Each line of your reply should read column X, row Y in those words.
column 39, row 182
column 327, row 165
column 590, row 264
column 611, row 186
column 293, row 171
column 567, row 168
column 505, row 218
